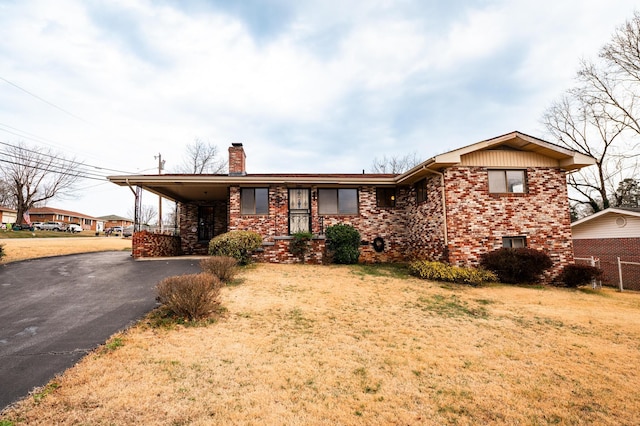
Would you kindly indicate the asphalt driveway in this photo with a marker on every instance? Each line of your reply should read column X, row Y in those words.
column 55, row 310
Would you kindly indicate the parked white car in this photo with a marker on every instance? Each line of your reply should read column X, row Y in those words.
column 74, row 227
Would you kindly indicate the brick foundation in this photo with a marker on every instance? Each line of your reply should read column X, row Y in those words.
column 608, row 250
column 146, row 244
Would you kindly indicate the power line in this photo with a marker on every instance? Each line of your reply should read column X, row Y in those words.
column 44, row 100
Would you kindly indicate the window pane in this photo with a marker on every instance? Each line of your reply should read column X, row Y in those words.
column 515, row 180
column 386, row 197
column 517, row 242
column 327, row 201
column 421, row 191
column 247, row 201
column 497, row 181
column 348, row 201
column 262, row 200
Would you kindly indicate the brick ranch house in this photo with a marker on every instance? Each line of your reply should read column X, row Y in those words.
column 509, row 191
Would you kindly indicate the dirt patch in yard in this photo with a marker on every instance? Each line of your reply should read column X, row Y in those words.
column 317, row 345
column 29, row 248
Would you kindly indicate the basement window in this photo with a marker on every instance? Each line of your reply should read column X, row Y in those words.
column 514, row 242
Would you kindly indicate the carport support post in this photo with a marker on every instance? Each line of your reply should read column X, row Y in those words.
column 620, row 273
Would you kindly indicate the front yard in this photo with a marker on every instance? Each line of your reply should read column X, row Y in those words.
column 305, row 345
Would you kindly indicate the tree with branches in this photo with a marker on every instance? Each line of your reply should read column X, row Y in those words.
column 146, row 214
column 201, row 158
column 34, row 175
column 395, row 164
column 599, row 117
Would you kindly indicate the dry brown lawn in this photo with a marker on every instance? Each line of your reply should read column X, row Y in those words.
column 331, row 345
column 28, row 248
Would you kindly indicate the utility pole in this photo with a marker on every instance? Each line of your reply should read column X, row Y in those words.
column 160, row 169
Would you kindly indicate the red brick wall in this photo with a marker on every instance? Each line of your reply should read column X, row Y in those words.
column 477, row 220
column 278, row 252
column 424, row 235
column 608, row 250
column 146, row 244
column 237, row 160
column 371, row 222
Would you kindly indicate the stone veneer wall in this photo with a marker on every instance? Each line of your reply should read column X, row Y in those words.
column 477, row 220
column 608, row 250
column 146, row 244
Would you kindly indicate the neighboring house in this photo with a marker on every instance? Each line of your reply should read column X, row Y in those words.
column 113, row 220
column 51, row 214
column 7, row 215
column 607, row 235
column 508, row 191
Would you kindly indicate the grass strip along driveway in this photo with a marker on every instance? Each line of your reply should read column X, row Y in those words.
column 317, row 345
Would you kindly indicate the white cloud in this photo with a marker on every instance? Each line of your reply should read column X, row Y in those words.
column 323, row 86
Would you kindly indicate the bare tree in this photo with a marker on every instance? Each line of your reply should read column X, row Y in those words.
column 34, row 175
column 6, row 197
column 146, row 215
column 600, row 117
column 394, row 164
column 577, row 122
column 200, row 158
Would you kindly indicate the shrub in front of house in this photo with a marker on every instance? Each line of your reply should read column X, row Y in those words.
column 438, row 271
column 300, row 244
column 343, row 243
column 236, row 244
column 191, row 296
column 224, row 268
column 516, row 265
column 576, row 275
column 2, row 252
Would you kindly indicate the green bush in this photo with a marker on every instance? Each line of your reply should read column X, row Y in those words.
column 516, row 265
column 236, row 244
column 343, row 243
column 439, row 271
column 2, row 252
column 577, row 275
column 224, row 268
column 192, row 296
column 300, row 244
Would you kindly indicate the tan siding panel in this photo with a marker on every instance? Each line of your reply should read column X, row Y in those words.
column 606, row 227
column 503, row 158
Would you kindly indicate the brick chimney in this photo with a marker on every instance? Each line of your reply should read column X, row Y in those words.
column 237, row 159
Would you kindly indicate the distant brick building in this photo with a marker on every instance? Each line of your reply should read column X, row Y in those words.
column 52, row 214
column 507, row 191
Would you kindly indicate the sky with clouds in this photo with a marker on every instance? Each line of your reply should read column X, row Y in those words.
column 314, row 86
